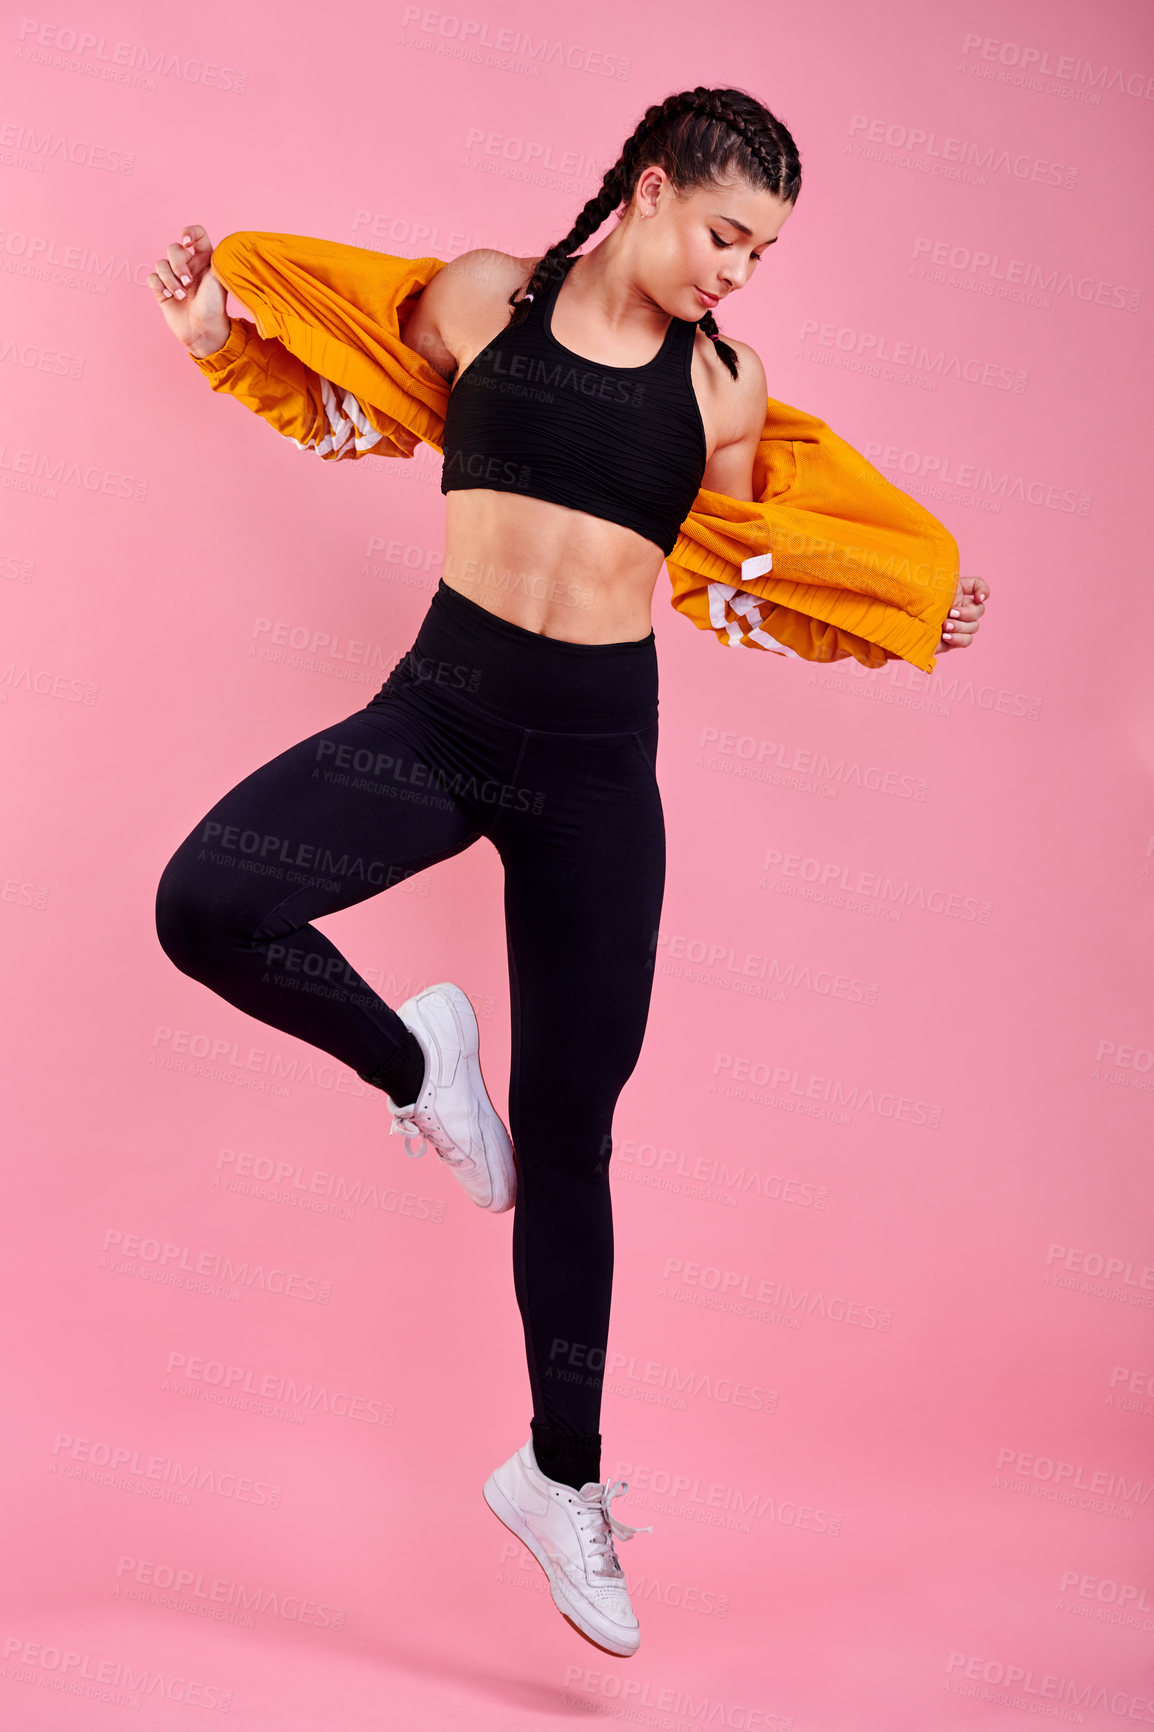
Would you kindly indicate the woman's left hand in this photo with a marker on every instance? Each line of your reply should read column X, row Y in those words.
column 969, row 606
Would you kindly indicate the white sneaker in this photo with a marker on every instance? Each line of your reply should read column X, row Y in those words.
column 453, row 1111
column 571, row 1533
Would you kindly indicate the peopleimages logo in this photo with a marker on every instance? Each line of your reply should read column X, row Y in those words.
column 625, row 1698
column 1080, row 1484
column 651, row 1378
column 1131, row 1391
column 507, row 48
column 952, row 156
column 139, row 1470
column 43, row 473
column 225, row 1060
column 70, row 256
column 40, row 360
column 1016, row 278
column 1017, row 1685
column 46, row 683
column 1078, row 1260
column 23, row 146
column 745, row 756
column 532, row 153
column 212, row 1590
column 877, row 351
column 72, row 50
column 1105, row 1591
column 119, row 1683
column 160, row 1259
column 977, row 482
column 839, row 876
column 731, row 1070
column 744, row 1284
column 243, row 1385
column 316, row 1190
column 716, row 963
column 1032, row 64
column 727, row 1506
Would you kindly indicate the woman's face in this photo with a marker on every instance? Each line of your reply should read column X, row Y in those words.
column 704, row 245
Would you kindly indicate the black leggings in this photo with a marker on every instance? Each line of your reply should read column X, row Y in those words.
column 548, row 749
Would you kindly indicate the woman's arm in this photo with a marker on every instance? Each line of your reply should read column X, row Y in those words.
column 260, row 372
column 739, row 407
column 464, row 306
column 837, row 547
column 741, row 404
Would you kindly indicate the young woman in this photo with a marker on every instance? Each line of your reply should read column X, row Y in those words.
column 577, row 434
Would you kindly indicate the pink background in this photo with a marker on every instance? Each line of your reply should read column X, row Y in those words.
column 883, row 1367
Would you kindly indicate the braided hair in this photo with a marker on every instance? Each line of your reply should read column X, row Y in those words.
column 696, row 136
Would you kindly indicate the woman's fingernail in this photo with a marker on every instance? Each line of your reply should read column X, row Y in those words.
column 180, row 294
column 186, row 279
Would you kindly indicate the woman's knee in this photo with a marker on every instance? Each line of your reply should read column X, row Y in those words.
column 194, row 920
column 568, row 1133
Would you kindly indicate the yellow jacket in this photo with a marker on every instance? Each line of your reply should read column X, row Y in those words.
column 830, row 559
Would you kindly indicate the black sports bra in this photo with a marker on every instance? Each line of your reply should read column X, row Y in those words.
column 625, row 443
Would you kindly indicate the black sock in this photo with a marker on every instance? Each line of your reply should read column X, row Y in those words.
column 572, row 1458
column 402, row 1077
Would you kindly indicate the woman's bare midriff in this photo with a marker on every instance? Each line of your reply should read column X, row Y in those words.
column 556, row 572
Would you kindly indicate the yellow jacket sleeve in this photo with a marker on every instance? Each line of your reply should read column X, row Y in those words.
column 312, row 411
column 337, row 310
column 829, row 559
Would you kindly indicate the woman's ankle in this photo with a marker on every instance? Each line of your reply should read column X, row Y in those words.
column 402, row 1075
column 570, row 1458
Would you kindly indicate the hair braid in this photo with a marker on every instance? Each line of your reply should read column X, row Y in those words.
column 696, row 136
column 610, row 196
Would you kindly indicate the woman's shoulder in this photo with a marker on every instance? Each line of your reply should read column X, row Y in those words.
column 464, row 306
column 740, row 404
column 751, row 378
column 487, row 269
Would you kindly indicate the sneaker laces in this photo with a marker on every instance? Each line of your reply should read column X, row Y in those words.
column 430, row 1130
column 600, row 1541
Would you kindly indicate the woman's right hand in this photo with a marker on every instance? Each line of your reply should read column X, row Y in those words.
column 192, row 300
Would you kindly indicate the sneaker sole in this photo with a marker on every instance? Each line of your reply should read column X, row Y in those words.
column 502, row 1170
column 509, row 1517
